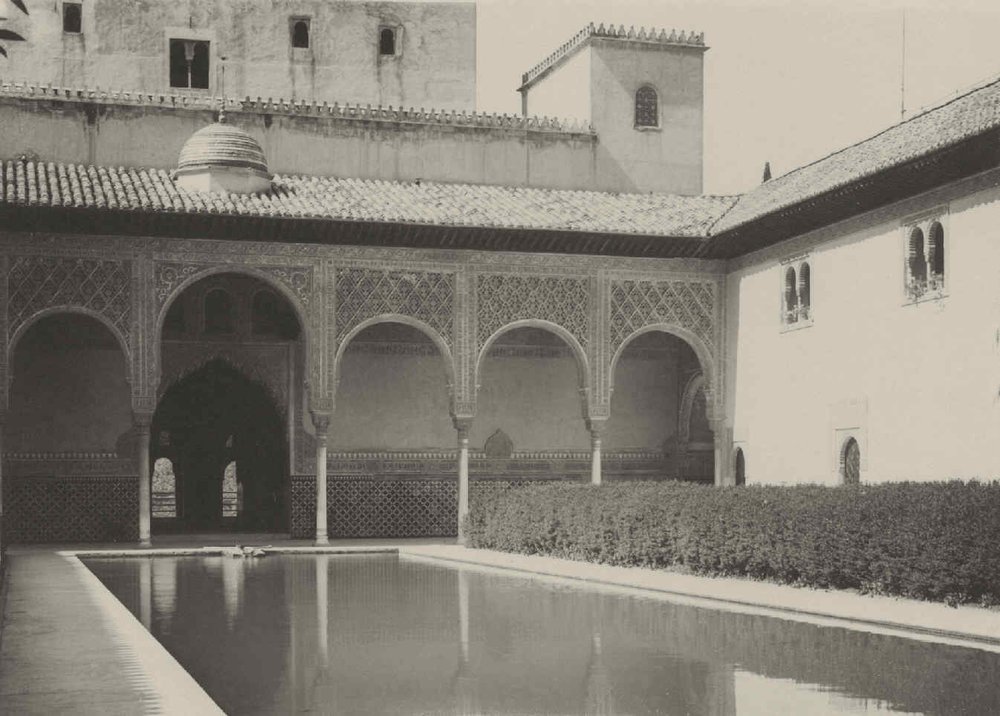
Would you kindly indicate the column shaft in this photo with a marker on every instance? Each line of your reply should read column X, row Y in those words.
column 595, row 457
column 145, row 484
column 322, row 424
column 463, row 482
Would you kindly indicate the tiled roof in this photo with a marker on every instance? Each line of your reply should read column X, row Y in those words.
column 29, row 183
column 961, row 118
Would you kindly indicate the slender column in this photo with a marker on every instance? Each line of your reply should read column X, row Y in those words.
column 595, row 427
column 142, row 421
column 321, row 421
column 720, row 436
column 462, row 426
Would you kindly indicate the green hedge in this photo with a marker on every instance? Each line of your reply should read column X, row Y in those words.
column 938, row 541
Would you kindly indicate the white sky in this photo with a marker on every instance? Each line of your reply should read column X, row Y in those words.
column 787, row 82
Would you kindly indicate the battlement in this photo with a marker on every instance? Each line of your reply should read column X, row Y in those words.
column 651, row 36
column 366, row 113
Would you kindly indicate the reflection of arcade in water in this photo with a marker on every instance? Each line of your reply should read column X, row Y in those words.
column 382, row 635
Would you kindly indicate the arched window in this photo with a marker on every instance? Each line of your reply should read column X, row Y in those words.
column 935, row 252
column 804, row 293
column 300, row 33
column 164, row 488
column 850, row 462
column 741, row 467
column 230, row 492
column 219, row 312
column 387, row 41
column 916, row 264
column 791, row 296
column 647, row 109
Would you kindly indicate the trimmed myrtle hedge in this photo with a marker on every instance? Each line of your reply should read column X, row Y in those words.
column 937, row 541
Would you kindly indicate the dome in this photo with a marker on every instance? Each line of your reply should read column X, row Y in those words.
column 221, row 157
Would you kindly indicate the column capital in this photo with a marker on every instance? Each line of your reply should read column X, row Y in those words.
column 321, row 421
column 462, row 425
column 595, row 425
column 142, row 420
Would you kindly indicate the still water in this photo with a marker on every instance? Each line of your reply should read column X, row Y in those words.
column 385, row 635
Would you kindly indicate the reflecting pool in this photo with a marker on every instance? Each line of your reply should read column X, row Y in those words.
column 385, row 635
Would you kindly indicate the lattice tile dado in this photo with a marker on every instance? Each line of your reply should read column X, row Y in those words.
column 35, row 283
column 379, row 507
column 506, row 297
column 71, row 509
column 424, row 295
column 687, row 304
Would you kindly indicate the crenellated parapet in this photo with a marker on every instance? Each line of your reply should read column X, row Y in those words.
column 302, row 108
column 651, row 36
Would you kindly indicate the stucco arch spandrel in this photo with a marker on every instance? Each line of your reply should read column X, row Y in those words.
column 294, row 283
column 436, row 338
column 582, row 364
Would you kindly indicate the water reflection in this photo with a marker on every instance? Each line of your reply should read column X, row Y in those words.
column 340, row 634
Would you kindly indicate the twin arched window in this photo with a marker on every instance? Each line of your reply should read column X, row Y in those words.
column 797, row 294
column 925, row 259
column 647, row 107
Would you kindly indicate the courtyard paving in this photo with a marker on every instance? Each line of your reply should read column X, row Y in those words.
column 68, row 646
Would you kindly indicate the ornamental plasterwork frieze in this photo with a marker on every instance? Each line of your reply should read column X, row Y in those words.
column 364, row 293
column 502, row 298
column 171, row 274
column 35, row 283
column 636, row 304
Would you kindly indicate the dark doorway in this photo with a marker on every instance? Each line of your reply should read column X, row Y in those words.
column 852, row 462
column 741, row 467
column 213, row 417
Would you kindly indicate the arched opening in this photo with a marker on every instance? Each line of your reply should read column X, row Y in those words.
column 647, row 110
column 740, row 467
column 936, row 253
column 231, row 406
column 391, row 437
column 69, row 397
column 164, row 488
column 791, row 296
column 300, row 34
column 659, row 414
column 805, row 291
column 850, row 462
column 529, row 389
column 387, row 41
column 916, row 263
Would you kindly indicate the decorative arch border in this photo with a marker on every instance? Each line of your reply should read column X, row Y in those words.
column 202, row 272
column 701, row 351
column 425, row 328
column 695, row 383
column 237, row 365
column 34, row 318
column 582, row 363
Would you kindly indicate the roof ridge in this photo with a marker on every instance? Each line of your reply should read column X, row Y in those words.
column 655, row 35
column 355, row 111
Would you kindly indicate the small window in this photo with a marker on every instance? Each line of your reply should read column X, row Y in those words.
column 647, row 112
column 916, row 264
column 72, row 15
column 164, row 489
column 189, row 64
column 741, row 467
column 218, row 312
column 935, row 250
column 791, row 296
column 387, row 41
column 850, row 462
column 230, row 492
column 804, row 292
column 300, row 33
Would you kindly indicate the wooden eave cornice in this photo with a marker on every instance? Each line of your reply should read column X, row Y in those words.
column 957, row 161
column 229, row 227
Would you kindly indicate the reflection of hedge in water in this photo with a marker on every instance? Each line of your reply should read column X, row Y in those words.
column 934, row 541
column 910, row 675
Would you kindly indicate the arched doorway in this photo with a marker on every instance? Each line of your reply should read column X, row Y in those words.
column 850, row 462
column 231, row 407
column 214, row 418
column 741, row 467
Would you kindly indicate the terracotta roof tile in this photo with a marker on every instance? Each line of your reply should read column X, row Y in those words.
column 963, row 117
column 137, row 189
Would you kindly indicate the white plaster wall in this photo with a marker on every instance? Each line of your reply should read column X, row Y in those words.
column 917, row 382
column 565, row 91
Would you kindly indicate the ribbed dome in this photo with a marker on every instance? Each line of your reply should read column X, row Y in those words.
column 222, row 145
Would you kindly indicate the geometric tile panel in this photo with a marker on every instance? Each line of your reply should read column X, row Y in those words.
column 637, row 304
column 71, row 509
column 424, row 295
column 38, row 282
column 506, row 297
column 302, row 511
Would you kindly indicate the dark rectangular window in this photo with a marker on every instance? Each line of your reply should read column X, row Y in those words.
column 189, row 63
column 72, row 17
column 387, row 41
column 300, row 33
